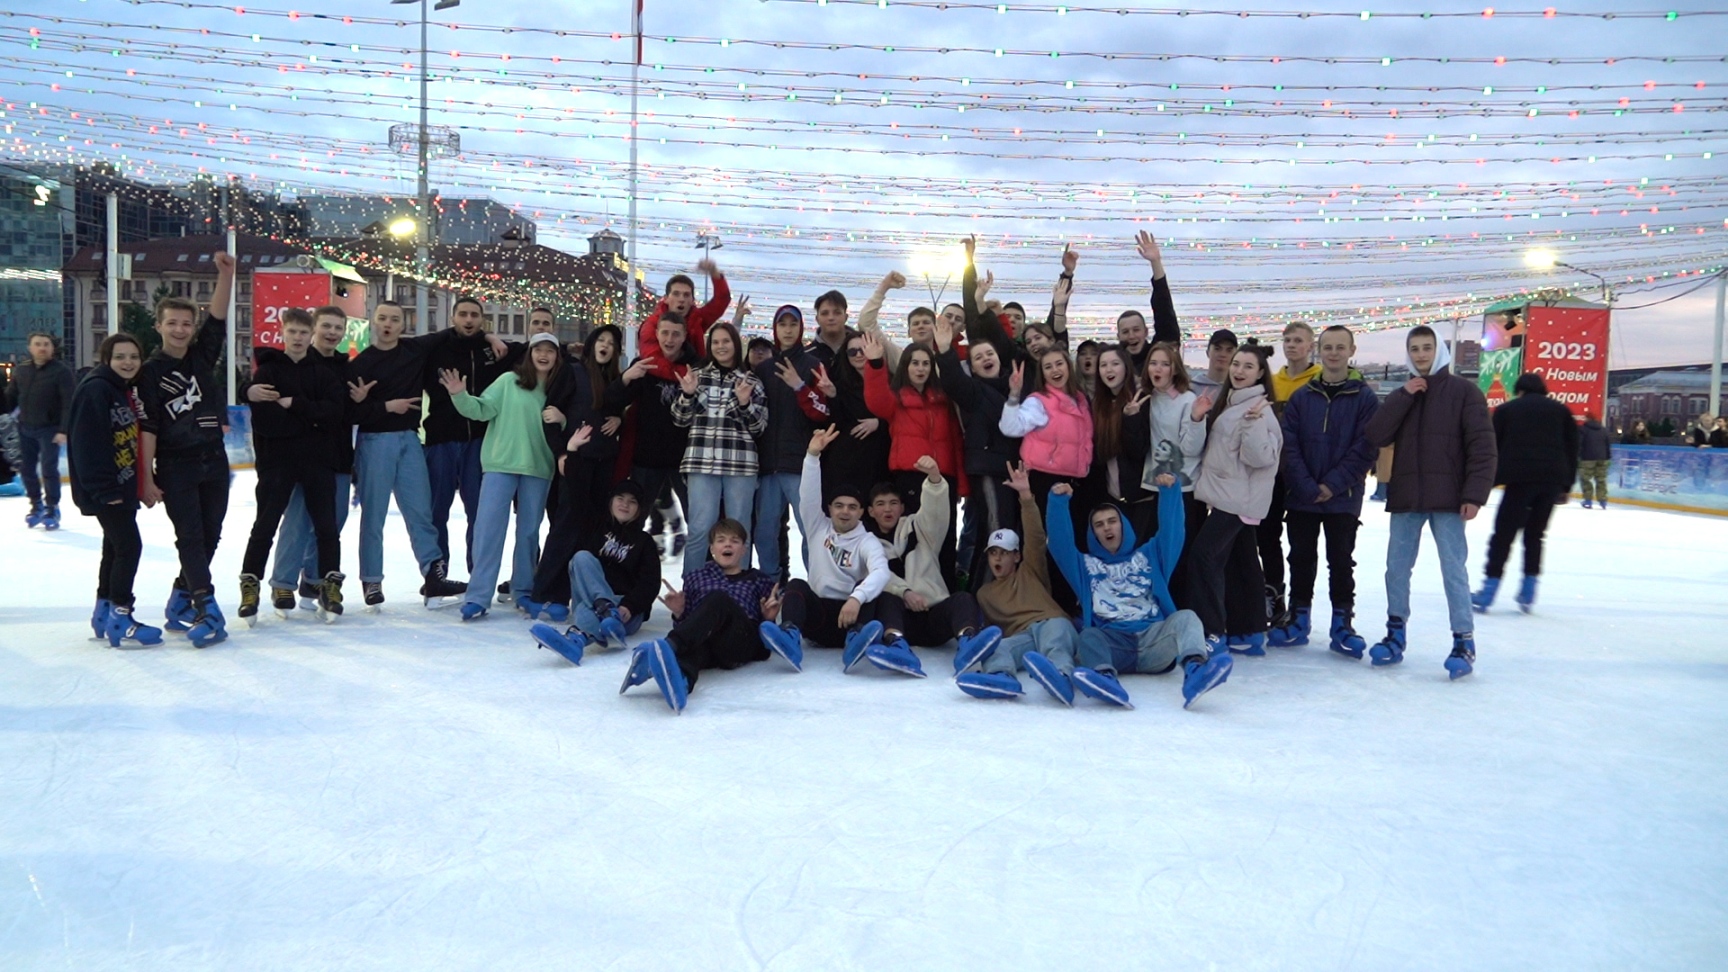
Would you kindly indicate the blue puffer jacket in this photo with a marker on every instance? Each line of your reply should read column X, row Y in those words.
column 1326, row 441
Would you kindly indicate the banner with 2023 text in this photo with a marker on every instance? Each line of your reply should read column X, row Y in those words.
column 1568, row 347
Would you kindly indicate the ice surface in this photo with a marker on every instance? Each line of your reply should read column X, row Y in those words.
column 406, row 792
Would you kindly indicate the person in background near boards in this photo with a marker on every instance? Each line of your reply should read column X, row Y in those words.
column 296, row 562
column 185, row 462
column 1299, row 369
column 42, row 392
column 296, row 402
column 1594, row 455
column 1442, row 473
column 1326, row 462
column 385, row 383
column 1538, row 443
column 102, row 458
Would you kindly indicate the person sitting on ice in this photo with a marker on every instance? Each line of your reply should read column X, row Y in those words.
column 915, row 607
column 1039, row 636
column 1127, row 621
column 848, row 570
column 613, row 579
column 717, row 621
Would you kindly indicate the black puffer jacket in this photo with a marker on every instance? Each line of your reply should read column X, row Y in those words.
column 473, row 358
column 102, row 442
column 1538, row 442
column 790, row 423
column 988, row 451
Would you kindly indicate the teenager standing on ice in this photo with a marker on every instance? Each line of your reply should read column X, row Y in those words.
column 790, row 376
column 1594, row 454
column 185, row 464
column 1536, row 439
column 1442, row 473
column 1175, row 440
column 517, row 466
column 725, row 408
column 834, row 608
column 1326, row 461
column 102, row 458
column 1299, row 369
column 42, row 389
column 453, row 440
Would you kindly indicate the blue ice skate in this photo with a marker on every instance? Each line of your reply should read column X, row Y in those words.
column 555, row 612
column 1050, row 678
column 612, row 630
column 895, row 657
column 51, row 519
column 472, row 611
column 1527, row 595
column 99, row 618
column 1295, row 634
column 208, row 626
column 1345, row 640
column 663, row 663
column 971, row 650
column 34, row 517
column 1390, row 649
column 856, row 642
column 638, row 672
column 1249, row 644
column 785, row 642
column 1102, row 686
column 121, row 629
column 570, row 644
column 1462, row 661
column 1483, row 599
column 1202, row 675
column 980, row 685
column 180, row 611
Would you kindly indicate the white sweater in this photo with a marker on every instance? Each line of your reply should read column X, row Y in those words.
column 922, row 569
column 842, row 565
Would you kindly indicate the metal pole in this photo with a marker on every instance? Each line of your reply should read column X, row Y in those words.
column 233, row 297
column 423, row 234
column 630, row 255
column 1716, row 358
column 113, row 261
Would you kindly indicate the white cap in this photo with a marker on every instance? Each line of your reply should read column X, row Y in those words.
column 1004, row 539
column 543, row 338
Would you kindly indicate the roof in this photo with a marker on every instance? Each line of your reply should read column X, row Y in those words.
column 1661, row 381
column 187, row 254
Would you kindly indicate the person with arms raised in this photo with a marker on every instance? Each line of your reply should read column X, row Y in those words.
column 696, row 318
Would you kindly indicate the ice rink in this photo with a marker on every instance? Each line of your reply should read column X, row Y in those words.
column 402, row 791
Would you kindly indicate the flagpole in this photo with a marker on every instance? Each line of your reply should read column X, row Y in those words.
column 630, row 325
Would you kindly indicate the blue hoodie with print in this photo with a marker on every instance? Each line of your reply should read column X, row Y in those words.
column 1128, row 590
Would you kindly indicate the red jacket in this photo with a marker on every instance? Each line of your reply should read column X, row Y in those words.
column 918, row 425
column 696, row 325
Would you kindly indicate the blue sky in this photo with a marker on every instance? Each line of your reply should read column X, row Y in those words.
column 1371, row 171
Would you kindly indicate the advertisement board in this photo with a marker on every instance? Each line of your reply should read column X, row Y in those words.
column 1500, row 371
column 273, row 293
column 1568, row 347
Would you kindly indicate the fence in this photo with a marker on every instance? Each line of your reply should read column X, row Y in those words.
column 1670, row 478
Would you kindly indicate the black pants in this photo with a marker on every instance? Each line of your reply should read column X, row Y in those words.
column 992, row 506
column 121, row 549
column 910, row 486
column 932, row 628
column 1042, row 483
column 1269, row 536
column 195, row 492
column 654, row 481
column 582, row 491
column 1305, row 556
column 1523, row 506
column 1193, row 515
column 277, row 478
column 818, row 618
column 1225, row 579
column 716, row 633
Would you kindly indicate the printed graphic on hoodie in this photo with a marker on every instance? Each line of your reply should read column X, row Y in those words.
column 1167, row 458
column 1122, row 591
column 841, row 556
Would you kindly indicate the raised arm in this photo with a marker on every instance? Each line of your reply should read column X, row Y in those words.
column 1165, row 326
column 1059, row 534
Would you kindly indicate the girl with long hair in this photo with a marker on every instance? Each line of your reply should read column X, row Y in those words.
column 1175, row 440
column 725, row 407
column 860, row 458
column 1120, row 439
column 1054, row 422
column 921, row 422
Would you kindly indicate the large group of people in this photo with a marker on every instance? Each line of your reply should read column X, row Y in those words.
column 1068, row 516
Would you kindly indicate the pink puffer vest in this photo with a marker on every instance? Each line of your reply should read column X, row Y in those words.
column 1064, row 446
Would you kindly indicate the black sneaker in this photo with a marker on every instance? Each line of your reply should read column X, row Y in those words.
column 374, row 592
column 282, row 599
column 330, row 597
column 249, row 591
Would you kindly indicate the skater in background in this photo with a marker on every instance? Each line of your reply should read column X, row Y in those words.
column 1038, row 636
column 102, row 458
column 385, row 383
column 185, row 463
column 517, row 465
column 1719, row 433
column 41, row 390
column 1326, row 460
column 724, row 408
column 1538, row 444
column 1594, row 455
column 835, row 607
column 718, row 621
column 297, row 404
column 1638, row 433
column 1442, row 473
column 1128, row 623
column 613, row 579
column 1237, row 472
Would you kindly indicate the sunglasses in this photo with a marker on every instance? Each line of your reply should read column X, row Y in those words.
column 854, row 352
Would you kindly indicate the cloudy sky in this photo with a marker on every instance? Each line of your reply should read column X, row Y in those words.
column 1299, row 162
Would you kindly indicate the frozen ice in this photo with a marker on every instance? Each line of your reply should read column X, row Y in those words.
column 402, row 791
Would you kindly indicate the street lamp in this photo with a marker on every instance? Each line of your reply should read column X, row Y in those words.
column 422, row 251
column 932, row 263
column 1548, row 260
column 707, row 243
column 403, row 226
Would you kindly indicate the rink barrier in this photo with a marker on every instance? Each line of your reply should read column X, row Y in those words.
column 1680, row 479
column 236, row 441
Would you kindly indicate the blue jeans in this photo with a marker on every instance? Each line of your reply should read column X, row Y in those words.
column 588, row 584
column 1401, row 551
column 296, row 547
column 1150, row 651
column 41, row 470
column 454, row 467
column 385, row 464
column 492, row 521
column 706, row 493
column 1053, row 638
column 774, row 493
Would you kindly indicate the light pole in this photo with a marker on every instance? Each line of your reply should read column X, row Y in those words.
column 707, row 243
column 423, row 241
column 1545, row 260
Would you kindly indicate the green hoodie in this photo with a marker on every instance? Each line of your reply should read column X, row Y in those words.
column 515, row 437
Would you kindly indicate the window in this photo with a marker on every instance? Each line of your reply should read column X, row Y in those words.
column 203, row 258
column 1695, row 405
column 177, row 288
column 100, row 321
column 181, row 258
column 1671, row 405
column 246, row 258
column 245, row 289
column 203, row 290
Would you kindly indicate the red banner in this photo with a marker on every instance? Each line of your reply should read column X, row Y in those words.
column 1568, row 347
column 273, row 293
